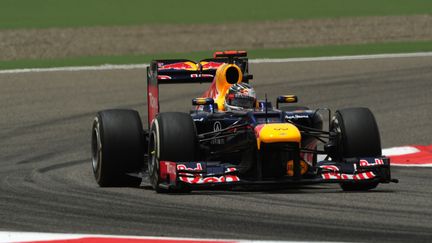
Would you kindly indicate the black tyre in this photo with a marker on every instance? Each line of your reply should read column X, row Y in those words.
column 117, row 147
column 172, row 138
column 358, row 136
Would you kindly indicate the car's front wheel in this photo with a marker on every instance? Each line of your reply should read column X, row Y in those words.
column 358, row 136
column 172, row 138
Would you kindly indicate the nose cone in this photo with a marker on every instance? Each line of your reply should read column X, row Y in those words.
column 277, row 133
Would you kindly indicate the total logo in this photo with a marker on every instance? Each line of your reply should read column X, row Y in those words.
column 171, row 168
column 153, row 101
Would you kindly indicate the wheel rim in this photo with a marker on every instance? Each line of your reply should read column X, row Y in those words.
column 96, row 147
column 336, row 128
column 153, row 160
column 152, row 153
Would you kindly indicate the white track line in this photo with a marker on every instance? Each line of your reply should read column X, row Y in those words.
column 402, row 150
column 269, row 60
column 6, row 236
column 411, row 165
column 74, row 69
column 342, row 58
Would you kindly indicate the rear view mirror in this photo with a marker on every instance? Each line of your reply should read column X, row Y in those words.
column 202, row 101
column 286, row 99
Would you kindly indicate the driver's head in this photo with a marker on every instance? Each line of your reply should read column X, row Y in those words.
column 240, row 96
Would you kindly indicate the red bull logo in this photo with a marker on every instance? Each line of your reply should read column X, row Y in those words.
column 185, row 168
column 179, row 66
column 210, row 65
column 207, row 180
column 163, row 77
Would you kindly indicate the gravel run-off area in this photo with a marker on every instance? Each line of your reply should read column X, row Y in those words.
column 152, row 39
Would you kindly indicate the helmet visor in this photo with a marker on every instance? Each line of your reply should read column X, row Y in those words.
column 243, row 102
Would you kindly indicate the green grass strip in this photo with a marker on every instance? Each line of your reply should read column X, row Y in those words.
column 78, row 13
column 342, row 50
column 318, row 51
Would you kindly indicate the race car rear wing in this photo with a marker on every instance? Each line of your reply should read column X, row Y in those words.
column 177, row 71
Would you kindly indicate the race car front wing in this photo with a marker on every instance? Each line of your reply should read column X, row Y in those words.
column 202, row 174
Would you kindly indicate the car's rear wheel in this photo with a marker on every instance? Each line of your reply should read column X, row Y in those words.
column 172, row 138
column 358, row 136
column 117, row 147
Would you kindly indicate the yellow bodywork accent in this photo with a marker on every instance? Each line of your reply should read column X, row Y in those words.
column 290, row 167
column 193, row 66
column 277, row 132
column 222, row 84
column 290, row 99
column 200, row 101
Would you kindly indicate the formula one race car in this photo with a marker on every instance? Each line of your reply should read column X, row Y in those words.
column 232, row 139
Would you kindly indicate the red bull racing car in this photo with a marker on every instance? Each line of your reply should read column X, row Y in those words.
column 231, row 138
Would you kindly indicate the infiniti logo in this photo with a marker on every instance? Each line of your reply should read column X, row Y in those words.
column 217, row 126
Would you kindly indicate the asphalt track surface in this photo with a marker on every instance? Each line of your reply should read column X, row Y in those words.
column 46, row 183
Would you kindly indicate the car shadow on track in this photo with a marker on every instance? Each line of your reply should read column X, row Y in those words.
column 315, row 189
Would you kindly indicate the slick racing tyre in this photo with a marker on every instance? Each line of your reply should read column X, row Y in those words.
column 358, row 136
column 117, row 147
column 172, row 138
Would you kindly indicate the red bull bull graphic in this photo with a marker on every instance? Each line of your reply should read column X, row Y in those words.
column 190, row 66
column 210, row 65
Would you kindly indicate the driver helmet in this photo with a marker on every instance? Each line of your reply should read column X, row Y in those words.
column 240, row 96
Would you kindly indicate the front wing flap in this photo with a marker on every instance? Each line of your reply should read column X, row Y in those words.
column 356, row 169
column 197, row 173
